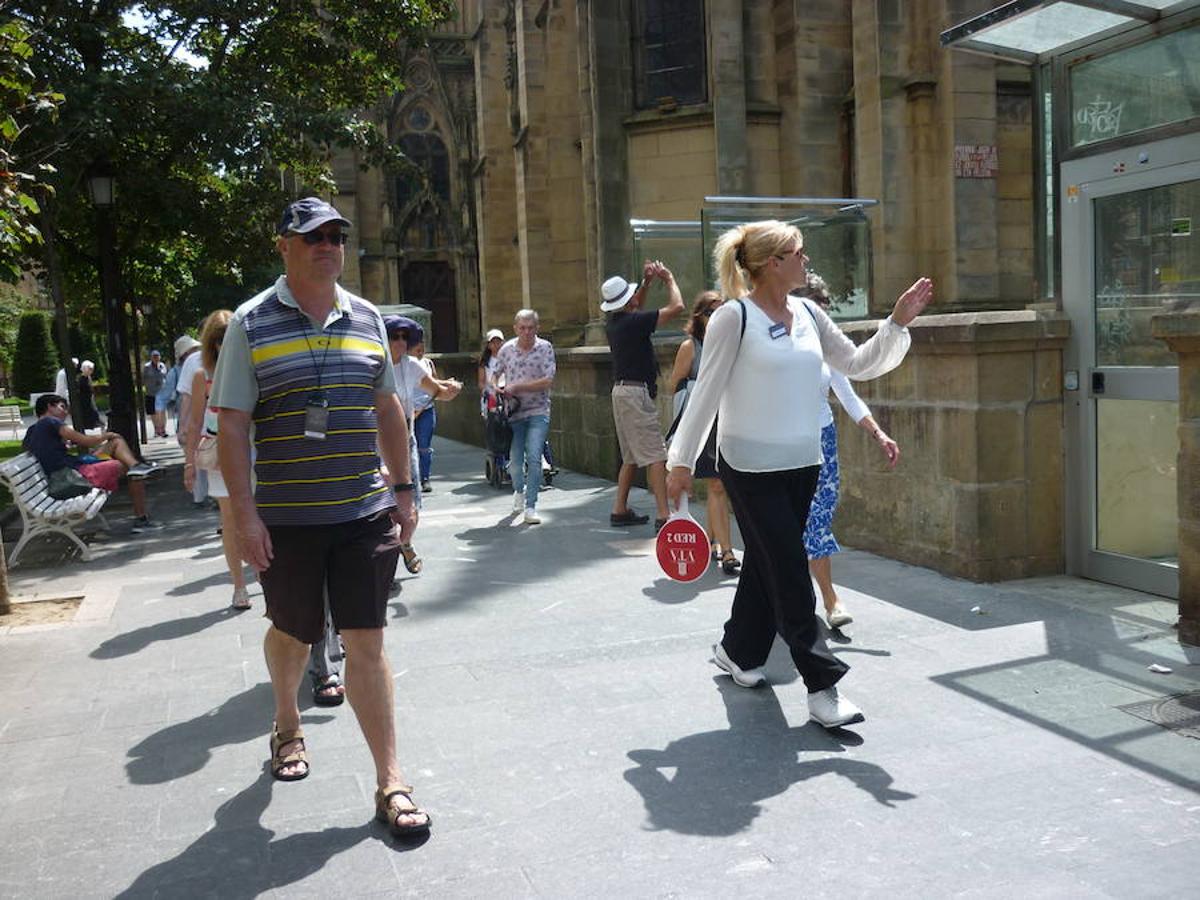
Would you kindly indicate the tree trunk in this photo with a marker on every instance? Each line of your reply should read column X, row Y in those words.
column 54, row 276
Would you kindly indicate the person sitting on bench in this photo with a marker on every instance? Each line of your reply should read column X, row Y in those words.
column 47, row 440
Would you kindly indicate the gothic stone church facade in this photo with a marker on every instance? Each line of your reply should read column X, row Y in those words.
column 542, row 127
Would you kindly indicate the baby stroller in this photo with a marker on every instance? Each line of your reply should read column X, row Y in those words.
column 497, row 437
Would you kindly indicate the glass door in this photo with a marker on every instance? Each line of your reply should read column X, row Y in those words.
column 1130, row 250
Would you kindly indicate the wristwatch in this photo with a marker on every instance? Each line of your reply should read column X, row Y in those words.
column 402, row 488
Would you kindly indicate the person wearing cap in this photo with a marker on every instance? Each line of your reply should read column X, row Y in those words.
column 411, row 377
column 154, row 373
column 527, row 365
column 635, row 385
column 306, row 363
column 485, row 373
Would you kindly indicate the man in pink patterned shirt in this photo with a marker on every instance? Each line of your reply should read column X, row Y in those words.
column 526, row 364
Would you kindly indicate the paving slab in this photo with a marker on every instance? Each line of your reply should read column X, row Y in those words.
column 561, row 718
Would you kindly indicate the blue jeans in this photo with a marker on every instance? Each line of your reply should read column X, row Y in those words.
column 425, row 423
column 528, row 437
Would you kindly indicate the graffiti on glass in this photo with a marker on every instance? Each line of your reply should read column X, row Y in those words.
column 1102, row 117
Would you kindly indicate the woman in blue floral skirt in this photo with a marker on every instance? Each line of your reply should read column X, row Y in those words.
column 819, row 542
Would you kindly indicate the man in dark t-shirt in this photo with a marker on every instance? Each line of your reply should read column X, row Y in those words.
column 635, row 384
column 47, row 440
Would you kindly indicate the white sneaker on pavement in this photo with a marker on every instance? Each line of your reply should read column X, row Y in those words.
column 830, row 709
column 837, row 617
column 531, row 517
column 747, row 678
column 518, row 502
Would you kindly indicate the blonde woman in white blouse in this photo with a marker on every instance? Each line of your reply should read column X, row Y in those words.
column 762, row 370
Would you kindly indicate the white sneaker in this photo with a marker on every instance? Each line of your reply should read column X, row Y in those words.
column 837, row 617
column 747, row 678
column 531, row 517
column 831, row 710
column 518, row 502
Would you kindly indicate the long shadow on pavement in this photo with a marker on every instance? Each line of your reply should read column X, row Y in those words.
column 172, row 629
column 237, row 858
column 721, row 777
column 185, row 747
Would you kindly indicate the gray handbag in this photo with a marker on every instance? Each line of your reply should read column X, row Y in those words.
column 65, row 483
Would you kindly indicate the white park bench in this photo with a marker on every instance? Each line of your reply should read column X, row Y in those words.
column 10, row 418
column 41, row 513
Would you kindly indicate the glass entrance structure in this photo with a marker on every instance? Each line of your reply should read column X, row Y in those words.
column 1119, row 84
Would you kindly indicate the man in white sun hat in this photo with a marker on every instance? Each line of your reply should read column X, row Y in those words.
column 635, row 385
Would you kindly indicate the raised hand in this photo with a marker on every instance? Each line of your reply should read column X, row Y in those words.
column 913, row 301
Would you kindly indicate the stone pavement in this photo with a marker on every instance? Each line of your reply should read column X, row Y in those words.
column 562, row 722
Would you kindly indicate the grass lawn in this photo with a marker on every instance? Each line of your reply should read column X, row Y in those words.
column 8, row 449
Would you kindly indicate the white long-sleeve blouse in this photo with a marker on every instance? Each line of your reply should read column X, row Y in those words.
column 768, row 388
column 853, row 404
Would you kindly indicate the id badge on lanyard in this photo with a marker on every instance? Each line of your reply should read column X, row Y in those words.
column 316, row 416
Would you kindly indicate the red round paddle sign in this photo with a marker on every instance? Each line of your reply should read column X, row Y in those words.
column 683, row 548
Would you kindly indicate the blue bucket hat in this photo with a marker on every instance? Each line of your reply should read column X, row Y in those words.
column 304, row 215
column 402, row 325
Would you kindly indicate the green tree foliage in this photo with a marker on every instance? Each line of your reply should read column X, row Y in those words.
column 20, row 105
column 211, row 115
column 12, row 306
column 33, row 361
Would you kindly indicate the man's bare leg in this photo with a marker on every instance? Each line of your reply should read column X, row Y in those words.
column 656, row 475
column 119, row 450
column 624, row 483
column 137, row 493
column 286, row 658
column 369, row 690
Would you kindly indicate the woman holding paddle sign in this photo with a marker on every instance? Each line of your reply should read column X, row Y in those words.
column 762, row 371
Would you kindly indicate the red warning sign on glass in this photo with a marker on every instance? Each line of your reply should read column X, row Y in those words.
column 682, row 547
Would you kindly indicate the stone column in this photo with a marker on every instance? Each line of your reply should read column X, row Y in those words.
column 1181, row 332
column 529, row 161
column 493, row 174
column 816, row 70
column 728, row 67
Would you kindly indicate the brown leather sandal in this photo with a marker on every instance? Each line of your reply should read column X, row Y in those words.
column 388, row 809
column 412, row 562
column 279, row 763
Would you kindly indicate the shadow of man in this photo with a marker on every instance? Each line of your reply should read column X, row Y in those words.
column 722, row 777
column 141, row 638
column 238, row 858
column 185, row 747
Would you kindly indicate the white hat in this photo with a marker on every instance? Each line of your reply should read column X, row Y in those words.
column 185, row 343
column 615, row 292
column 494, row 333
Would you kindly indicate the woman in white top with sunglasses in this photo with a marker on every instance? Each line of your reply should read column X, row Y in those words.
column 762, row 370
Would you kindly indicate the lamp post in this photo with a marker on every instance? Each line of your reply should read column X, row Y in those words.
column 120, row 381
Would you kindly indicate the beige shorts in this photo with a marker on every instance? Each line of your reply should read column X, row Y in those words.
column 638, row 430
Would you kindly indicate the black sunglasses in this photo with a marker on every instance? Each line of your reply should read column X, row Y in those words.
column 312, row 238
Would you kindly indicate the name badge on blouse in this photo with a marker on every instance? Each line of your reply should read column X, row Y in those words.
column 777, row 331
column 316, row 416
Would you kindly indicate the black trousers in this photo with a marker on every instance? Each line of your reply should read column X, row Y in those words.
column 774, row 592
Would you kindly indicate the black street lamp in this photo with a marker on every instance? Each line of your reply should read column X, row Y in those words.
column 120, row 380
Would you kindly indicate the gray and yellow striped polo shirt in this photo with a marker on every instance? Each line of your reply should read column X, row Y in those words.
column 273, row 358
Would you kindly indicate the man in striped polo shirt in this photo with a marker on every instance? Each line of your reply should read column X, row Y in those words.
column 306, row 363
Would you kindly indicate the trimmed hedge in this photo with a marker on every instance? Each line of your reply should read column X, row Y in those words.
column 34, row 362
